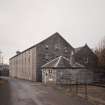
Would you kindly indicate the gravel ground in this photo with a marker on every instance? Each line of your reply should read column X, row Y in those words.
column 95, row 94
column 21, row 92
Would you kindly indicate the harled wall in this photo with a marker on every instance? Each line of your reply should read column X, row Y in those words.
column 23, row 66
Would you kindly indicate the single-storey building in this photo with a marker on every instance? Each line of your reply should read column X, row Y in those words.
column 4, row 70
column 61, row 71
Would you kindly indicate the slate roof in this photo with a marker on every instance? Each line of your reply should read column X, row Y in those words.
column 61, row 62
column 53, row 35
column 58, row 62
column 78, row 49
column 77, row 65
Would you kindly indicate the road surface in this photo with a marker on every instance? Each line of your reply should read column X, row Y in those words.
column 21, row 92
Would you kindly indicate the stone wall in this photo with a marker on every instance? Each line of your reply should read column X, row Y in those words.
column 86, row 57
column 51, row 48
column 67, row 76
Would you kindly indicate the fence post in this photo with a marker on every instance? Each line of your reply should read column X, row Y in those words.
column 86, row 92
column 76, row 86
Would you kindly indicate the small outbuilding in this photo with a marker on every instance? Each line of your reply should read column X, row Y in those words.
column 61, row 71
column 4, row 70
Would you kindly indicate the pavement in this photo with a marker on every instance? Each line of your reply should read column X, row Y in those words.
column 21, row 92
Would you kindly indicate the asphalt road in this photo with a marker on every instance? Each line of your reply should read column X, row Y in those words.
column 21, row 92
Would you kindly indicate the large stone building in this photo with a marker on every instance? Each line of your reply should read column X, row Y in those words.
column 27, row 64
column 84, row 55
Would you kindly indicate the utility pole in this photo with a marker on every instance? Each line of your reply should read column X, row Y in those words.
column 0, row 57
column 2, row 60
column 76, row 86
column 86, row 85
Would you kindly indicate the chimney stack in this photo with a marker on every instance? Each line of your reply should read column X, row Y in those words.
column 18, row 52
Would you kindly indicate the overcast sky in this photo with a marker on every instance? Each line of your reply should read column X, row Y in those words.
column 24, row 23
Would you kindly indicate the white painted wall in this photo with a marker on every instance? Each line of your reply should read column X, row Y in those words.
column 23, row 66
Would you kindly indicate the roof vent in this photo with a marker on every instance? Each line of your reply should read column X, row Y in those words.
column 18, row 52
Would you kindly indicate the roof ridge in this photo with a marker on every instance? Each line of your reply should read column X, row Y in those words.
column 65, row 58
column 56, row 33
column 58, row 61
column 50, row 62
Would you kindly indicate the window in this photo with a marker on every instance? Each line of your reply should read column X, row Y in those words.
column 56, row 47
column 46, row 46
column 29, row 59
column 65, row 50
column 47, row 57
column 46, row 74
column 50, row 71
column 72, row 53
column 25, row 59
column 86, row 60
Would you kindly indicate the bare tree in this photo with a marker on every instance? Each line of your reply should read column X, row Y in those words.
column 100, row 52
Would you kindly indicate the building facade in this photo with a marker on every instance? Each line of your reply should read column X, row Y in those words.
column 61, row 71
column 84, row 55
column 4, row 70
column 27, row 64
